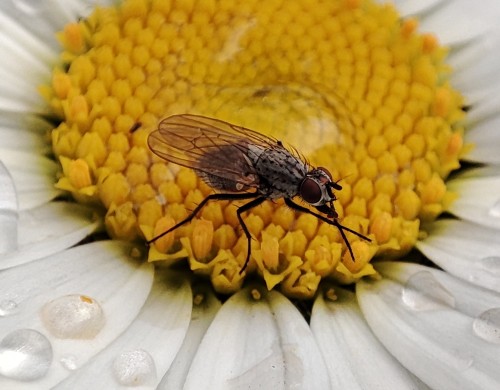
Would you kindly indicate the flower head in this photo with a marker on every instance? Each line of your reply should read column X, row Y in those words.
column 97, row 315
column 346, row 83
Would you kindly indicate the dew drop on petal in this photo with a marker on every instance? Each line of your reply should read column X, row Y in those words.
column 25, row 355
column 484, row 269
column 73, row 317
column 495, row 209
column 460, row 360
column 487, row 325
column 69, row 362
column 7, row 307
column 423, row 292
column 135, row 368
column 489, row 264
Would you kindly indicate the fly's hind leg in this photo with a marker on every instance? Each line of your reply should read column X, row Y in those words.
column 200, row 206
column 242, row 209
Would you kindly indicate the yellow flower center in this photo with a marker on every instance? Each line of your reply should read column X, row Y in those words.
column 346, row 82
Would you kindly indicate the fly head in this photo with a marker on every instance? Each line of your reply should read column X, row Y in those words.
column 317, row 190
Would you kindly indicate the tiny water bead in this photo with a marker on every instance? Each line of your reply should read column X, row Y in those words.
column 73, row 317
column 25, row 355
column 422, row 291
column 134, row 368
column 351, row 86
column 459, row 359
column 495, row 209
column 7, row 307
column 486, row 270
column 490, row 264
column 487, row 325
column 69, row 362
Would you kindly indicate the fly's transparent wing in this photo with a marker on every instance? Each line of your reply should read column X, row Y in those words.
column 221, row 153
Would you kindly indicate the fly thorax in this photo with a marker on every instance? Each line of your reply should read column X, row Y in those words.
column 254, row 153
column 280, row 172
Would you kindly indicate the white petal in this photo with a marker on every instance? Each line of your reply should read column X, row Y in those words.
column 14, row 97
column 29, row 48
column 34, row 177
column 478, row 199
column 466, row 250
column 483, row 134
column 103, row 271
column 475, row 66
column 459, row 21
column 49, row 229
column 158, row 331
column 425, row 318
column 201, row 318
column 29, row 141
column 43, row 18
column 491, row 171
column 412, row 8
column 350, row 349
column 22, row 45
column 258, row 344
column 484, row 106
column 8, row 211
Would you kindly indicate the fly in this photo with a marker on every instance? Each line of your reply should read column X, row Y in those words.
column 245, row 165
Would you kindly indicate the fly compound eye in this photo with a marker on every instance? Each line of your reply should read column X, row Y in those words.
column 310, row 191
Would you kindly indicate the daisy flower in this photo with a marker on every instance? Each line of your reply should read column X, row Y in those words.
column 398, row 101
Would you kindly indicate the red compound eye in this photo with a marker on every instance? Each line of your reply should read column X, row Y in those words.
column 310, row 191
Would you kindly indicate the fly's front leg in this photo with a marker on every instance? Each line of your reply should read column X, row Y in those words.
column 333, row 222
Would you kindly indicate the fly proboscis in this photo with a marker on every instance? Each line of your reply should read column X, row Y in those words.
column 242, row 164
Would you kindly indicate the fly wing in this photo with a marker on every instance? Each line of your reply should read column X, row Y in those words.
column 217, row 150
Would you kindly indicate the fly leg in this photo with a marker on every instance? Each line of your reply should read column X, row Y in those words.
column 200, row 206
column 242, row 209
column 333, row 222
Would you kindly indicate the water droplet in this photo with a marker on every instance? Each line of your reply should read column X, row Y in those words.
column 69, row 362
column 423, row 292
column 490, row 265
column 495, row 209
column 461, row 360
column 485, row 272
column 135, row 368
column 25, row 355
column 487, row 325
column 73, row 317
column 7, row 307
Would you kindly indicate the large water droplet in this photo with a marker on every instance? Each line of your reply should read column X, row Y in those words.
column 135, row 368
column 495, row 209
column 25, row 355
column 7, row 307
column 73, row 317
column 487, row 325
column 423, row 292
